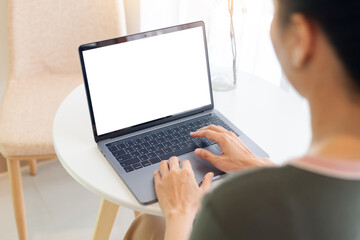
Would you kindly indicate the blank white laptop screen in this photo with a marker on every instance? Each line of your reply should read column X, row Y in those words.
column 143, row 80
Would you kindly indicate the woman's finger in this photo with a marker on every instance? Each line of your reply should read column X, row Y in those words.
column 208, row 156
column 221, row 129
column 206, row 183
column 209, row 134
column 174, row 163
column 211, row 127
column 186, row 164
column 218, row 129
column 164, row 168
column 157, row 177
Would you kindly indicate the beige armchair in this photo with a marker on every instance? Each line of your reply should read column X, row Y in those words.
column 44, row 67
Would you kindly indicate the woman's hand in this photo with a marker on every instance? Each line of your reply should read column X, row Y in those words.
column 179, row 196
column 234, row 156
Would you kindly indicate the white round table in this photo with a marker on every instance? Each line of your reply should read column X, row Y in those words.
column 274, row 119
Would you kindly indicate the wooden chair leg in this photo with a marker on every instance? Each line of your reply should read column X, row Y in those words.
column 136, row 213
column 105, row 220
column 18, row 197
column 32, row 166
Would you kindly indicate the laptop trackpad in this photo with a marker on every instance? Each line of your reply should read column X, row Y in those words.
column 201, row 166
column 142, row 185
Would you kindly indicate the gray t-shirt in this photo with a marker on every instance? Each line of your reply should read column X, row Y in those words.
column 281, row 203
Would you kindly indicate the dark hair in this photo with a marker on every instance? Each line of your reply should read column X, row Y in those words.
column 340, row 20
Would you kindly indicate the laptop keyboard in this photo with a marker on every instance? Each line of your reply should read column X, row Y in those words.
column 152, row 147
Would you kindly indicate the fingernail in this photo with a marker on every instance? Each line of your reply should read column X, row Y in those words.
column 212, row 174
column 198, row 150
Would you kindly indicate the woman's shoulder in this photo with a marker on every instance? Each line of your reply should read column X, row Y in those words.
column 264, row 202
column 272, row 188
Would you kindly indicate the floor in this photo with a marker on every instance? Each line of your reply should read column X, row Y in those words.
column 57, row 207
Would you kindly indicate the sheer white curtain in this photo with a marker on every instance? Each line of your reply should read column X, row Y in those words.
column 256, row 54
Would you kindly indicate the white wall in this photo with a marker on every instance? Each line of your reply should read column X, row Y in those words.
column 4, row 56
column 158, row 14
column 132, row 12
column 256, row 54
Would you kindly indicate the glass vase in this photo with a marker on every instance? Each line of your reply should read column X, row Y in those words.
column 226, row 17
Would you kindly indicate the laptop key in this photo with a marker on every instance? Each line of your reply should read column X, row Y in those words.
column 175, row 141
column 176, row 130
column 137, row 166
column 191, row 144
column 137, row 147
column 146, row 139
column 159, row 152
column 183, row 145
column 175, row 148
column 197, row 123
column 113, row 148
column 183, row 133
column 129, row 150
column 169, row 132
column 153, row 142
column 155, row 160
column 168, row 150
column 128, row 168
column 182, row 139
column 118, row 153
column 188, row 137
column 161, row 134
column 159, row 146
column 176, row 135
column 151, row 149
column 193, row 129
column 151, row 155
column 143, row 157
column 135, row 154
column 168, row 138
column 121, row 146
column 154, row 136
column 123, row 157
column 205, row 121
column 183, row 127
column 161, row 140
column 143, row 151
column 167, row 144
column 129, row 143
column 138, row 141
column 145, row 163
column 145, row 145
column 129, row 162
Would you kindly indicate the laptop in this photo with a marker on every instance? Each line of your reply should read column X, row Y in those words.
column 146, row 92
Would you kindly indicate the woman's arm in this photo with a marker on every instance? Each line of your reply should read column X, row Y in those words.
column 179, row 196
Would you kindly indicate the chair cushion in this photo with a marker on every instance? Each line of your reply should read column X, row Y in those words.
column 27, row 112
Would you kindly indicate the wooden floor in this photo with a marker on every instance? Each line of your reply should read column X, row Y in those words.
column 57, row 207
